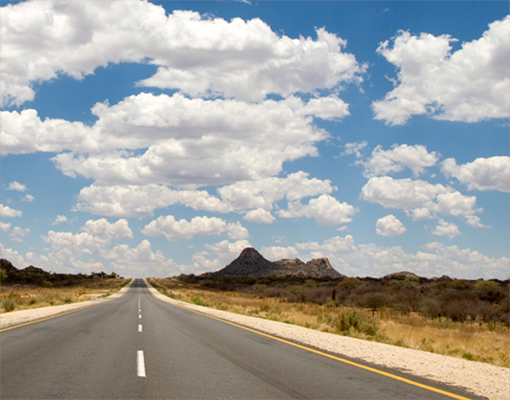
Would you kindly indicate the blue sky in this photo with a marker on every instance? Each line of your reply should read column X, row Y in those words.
column 166, row 141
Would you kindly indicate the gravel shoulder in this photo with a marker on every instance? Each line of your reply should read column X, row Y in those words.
column 480, row 379
column 14, row 318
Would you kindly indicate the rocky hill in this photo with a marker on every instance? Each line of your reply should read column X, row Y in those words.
column 251, row 262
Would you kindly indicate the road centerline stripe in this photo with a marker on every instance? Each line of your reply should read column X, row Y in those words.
column 140, row 364
column 139, row 327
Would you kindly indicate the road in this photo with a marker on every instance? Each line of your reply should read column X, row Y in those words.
column 138, row 347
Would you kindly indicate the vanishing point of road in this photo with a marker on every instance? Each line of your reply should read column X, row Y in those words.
column 138, row 347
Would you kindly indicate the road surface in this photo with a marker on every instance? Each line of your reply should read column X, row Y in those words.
column 137, row 347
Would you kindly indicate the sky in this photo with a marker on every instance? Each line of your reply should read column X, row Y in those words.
column 161, row 138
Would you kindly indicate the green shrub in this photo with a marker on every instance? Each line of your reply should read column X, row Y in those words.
column 198, row 301
column 46, row 284
column 3, row 274
column 67, row 300
column 32, row 301
column 355, row 320
column 8, row 304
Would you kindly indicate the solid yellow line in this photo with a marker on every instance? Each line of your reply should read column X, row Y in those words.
column 396, row 377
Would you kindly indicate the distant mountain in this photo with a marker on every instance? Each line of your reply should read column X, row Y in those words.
column 251, row 262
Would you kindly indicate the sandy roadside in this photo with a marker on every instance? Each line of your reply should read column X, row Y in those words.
column 14, row 318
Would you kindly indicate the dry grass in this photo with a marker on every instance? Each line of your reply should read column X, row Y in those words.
column 24, row 297
column 472, row 341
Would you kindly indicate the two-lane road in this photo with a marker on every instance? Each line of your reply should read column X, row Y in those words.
column 137, row 347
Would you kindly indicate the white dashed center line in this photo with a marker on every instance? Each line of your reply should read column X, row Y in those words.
column 140, row 364
column 140, row 328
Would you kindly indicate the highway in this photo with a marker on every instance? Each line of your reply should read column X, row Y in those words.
column 138, row 347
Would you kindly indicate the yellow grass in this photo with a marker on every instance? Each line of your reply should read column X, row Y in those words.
column 472, row 341
column 29, row 296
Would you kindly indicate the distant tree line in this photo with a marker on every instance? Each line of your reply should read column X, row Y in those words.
column 31, row 275
column 458, row 299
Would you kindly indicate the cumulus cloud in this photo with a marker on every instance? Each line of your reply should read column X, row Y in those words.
column 5, row 226
column 172, row 229
column 141, row 201
column 260, row 216
column 8, row 212
column 446, row 229
column 28, row 198
column 17, row 234
column 389, row 226
column 470, row 85
column 181, row 142
column 436, row 259
column 59, row 219
column 198, row 55
column 264, row 192
column 491, row 173
column 16, row 186
column 383, row 162
column 326, row 210
column 419, row 198
column 237, row 232
column 354, row 148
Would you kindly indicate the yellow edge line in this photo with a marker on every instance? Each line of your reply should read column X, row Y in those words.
column 398, row 378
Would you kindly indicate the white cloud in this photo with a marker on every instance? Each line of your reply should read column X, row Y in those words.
column 142, row 261
column 354, row 148
column 16, row 186
column 275, row 253
column 5, row 227
column 59, row 219
column 13, row 256
column 8, row 212
column 419, row 198
column 189, row 142
column 469, row 85
column 95, row 239
column 326, row 210
column 264, row 192
column 260, row 216
column 446, row 229
column 236, row 231
column 197, row 55
column 17, row 234
column 382, row 162
column 103, row 229
column 172, row 229
column 141, row 201
column 28, row 198
column 491, row 173
column 389, row 226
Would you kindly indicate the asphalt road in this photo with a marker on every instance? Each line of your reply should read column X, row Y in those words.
column 137, row 347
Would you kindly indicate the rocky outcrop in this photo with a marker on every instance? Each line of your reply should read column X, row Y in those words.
column 251, row 262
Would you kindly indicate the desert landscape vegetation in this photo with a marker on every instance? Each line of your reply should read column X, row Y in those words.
column 454, row 317
column 32, row 287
